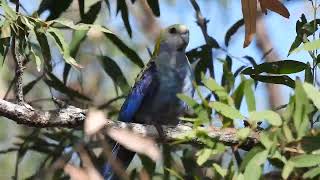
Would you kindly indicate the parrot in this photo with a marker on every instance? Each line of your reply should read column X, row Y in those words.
column 153, row 98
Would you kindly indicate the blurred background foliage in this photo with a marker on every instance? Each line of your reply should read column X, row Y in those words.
column 113, row 51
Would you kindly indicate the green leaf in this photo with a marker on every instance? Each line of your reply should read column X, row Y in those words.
column 191, row 102
column 287, row 133
column 305, row 160
column 278, row 67
column 301, row 110
column 253, row 169
column 9, row 12
column 4, row 48
column 248, row 156
column 228, row 79
column 308, row 75
column 310, row 144
column 240, row 177
column 217, row 89
column 312, row 173
column 222, row 172
column 296, row 43
column 249, row 95
column 232, row 30
column 243, row 133
column 92, row 13
column 62, row 46
column 113, row 70
column 52, row 81
column 36, row 58
column 309, row 46
column 53, row 8
column 313, row 94
column 128, row 52
column 252, row 172
column 284, row 79
column 78, row 37
column 122, row 7
column 287, row 169
column 251, row 60
column 237, row 95
column 45, row 49
column 201, row 59
column 174, row 173
column 204, row 155
column 271, row 117
column 154, row 6
column 226, row 110
column 265, row 140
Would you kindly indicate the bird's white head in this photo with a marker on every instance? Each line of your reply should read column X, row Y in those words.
column 174, row 37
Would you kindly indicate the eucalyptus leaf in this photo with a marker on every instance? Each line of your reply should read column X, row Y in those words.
column 113, row 70
column 271, row 117
column 313, row 94
column 305, row 160
column 308, row 46
column 312, row 173
column 154, row 5
column 226, row 110
column 232, row 30
column 278, row 67
column 283, row 79
column 122, row 7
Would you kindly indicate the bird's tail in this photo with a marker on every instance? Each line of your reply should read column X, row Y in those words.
column 122, row 155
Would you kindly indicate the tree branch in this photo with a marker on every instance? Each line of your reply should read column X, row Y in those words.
column 24, row 114
column 74, row 117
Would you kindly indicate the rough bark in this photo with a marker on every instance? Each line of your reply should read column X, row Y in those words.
column 74, row 117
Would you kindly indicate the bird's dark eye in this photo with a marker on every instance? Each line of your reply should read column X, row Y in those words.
column 172, row 30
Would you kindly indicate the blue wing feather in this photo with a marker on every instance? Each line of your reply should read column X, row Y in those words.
column 143, row 86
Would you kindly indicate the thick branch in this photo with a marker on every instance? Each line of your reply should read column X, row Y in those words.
column 74, row 117
column 25, row 114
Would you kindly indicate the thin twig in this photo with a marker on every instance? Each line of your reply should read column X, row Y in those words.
column 19, row 64
column 202, row 23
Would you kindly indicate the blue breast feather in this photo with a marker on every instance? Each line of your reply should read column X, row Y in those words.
column 143, row 87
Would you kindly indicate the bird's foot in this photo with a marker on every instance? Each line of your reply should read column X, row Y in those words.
column 160, row 132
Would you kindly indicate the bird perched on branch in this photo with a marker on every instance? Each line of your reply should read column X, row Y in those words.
column 153, row 98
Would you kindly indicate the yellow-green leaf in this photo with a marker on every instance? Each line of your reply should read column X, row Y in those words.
column 272, row 117
column 226, row 110
column 312, row 93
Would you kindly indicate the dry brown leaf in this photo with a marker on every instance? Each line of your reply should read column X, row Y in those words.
column 263, row 7
column 76, row 173
column 249, row 11
column 275, row 6
column 95, row 121
column 136, row 143
column 88, row 172
column 143, row 175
